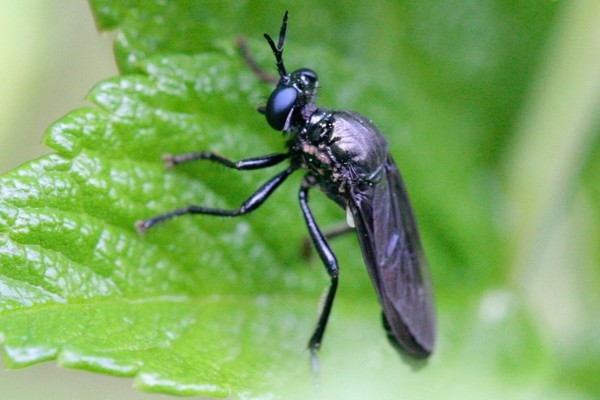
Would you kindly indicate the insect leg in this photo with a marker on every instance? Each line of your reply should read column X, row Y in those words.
column 251, row 61
column 248, row 206
column 336, row 231
column 328, row 259
column 248, row 164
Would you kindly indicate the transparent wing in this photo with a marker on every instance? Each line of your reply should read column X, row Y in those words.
column 392, row 251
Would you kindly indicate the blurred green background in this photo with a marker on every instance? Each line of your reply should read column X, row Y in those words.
column 51, row 55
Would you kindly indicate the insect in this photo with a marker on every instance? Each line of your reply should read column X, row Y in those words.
column 346, row 156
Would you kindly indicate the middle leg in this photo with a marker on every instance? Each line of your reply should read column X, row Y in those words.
column 248, row 206
column 172, row 160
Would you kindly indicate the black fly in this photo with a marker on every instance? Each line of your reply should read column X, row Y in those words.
column 347, row 157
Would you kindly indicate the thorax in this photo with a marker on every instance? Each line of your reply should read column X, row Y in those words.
column 339, row 148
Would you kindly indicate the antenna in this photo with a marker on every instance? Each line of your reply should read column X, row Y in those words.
column 278, row 50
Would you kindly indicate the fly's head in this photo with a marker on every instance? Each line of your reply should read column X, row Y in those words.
column 291, row 102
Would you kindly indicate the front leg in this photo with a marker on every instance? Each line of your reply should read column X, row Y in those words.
column 248, row 164
column 257, row 69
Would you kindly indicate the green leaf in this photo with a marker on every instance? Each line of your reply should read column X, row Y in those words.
column 224, row 307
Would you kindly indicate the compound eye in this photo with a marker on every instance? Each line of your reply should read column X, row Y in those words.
column 309, row 74
column 280, row 105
